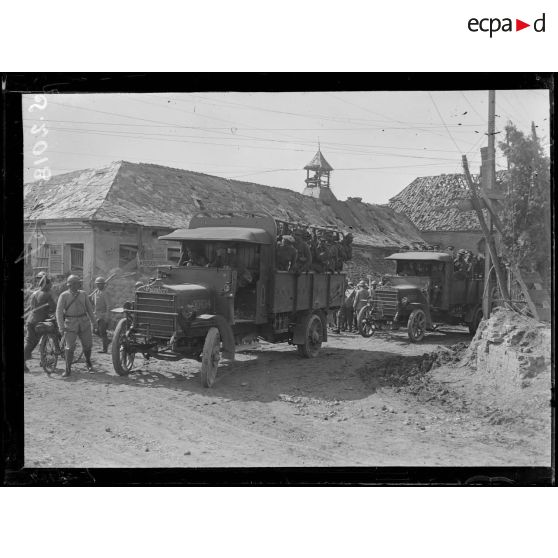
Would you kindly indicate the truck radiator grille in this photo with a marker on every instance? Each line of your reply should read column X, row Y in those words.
column 156, row 325
column 385, row 301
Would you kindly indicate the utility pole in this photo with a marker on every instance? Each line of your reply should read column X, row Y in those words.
column 488, row 181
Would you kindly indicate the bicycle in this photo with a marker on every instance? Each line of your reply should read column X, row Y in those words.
column 52, row 346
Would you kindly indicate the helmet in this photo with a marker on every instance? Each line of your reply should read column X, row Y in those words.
column 138, row 284
column 73, row 279
column 362, row 284
column 374, row 283
column 100, row 280
column 288, row 239
column 40, row 275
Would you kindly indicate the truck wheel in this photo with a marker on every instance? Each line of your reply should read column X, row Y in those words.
column 416, row 326
column 313, row 336
column 49, row 349
column 122, row 360
column 211, row 355
column 475, row 321
column 365, row 323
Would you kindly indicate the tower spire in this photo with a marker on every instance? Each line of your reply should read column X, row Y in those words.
column 317, row 185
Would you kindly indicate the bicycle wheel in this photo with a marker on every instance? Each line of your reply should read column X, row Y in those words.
column 49, row 349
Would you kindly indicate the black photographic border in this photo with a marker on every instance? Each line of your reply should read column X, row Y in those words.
column 11, row 404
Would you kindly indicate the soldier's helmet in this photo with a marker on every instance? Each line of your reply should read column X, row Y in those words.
column 374, row 283
column 362, row 284
column 100, row 281
column 288, row 239
column 138, row 284
column 73, row 280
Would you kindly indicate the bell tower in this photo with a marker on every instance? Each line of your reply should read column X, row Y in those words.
column 317, row 185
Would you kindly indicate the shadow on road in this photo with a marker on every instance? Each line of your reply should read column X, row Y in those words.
column 267, row 375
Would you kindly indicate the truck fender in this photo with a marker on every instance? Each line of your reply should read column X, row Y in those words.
column 225, row 331
column 299, row 330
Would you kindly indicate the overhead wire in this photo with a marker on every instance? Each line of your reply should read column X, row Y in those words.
column 444, row 123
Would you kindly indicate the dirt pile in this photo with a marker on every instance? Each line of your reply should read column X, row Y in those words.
column 511, row 348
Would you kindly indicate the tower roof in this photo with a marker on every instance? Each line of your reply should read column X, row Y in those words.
column 318, row 163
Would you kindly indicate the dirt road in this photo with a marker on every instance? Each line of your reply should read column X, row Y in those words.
column 360, row 403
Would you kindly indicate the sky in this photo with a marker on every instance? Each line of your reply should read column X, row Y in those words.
column 376, row 142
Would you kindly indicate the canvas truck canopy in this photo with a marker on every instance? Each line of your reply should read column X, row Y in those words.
column 221, row 234
column 421, row 256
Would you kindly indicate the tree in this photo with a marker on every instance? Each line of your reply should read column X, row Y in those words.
column 526, row 212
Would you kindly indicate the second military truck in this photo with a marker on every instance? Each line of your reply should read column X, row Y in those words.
column 227, row 294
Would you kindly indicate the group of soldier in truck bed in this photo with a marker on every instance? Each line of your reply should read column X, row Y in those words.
column 302, row 249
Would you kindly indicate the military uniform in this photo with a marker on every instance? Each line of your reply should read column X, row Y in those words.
column 41, row 305
column 74, row 314
column 285, row 256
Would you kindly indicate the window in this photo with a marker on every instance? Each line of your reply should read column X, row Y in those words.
column 56, row 259
column 41, row 260
column 76, row 257
column 127, row 255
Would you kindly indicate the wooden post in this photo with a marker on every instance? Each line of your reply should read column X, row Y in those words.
column 488, row 185
column 490, row 245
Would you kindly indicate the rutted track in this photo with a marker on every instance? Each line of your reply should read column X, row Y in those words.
column 356, row 404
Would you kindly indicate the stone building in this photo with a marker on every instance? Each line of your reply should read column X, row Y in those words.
column 94, row 221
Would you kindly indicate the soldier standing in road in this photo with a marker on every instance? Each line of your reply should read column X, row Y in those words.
column 345, row 313
column 41, row 305
column 75, row 315
column 101, row 303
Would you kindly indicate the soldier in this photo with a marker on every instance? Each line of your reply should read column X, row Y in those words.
column 458, row 262
column 346, row 249
column 285, row 254
column 361, row 297
column 41, row 305
column 75, row 315
column 304, row 256
column 101, row 303
column 345, row 314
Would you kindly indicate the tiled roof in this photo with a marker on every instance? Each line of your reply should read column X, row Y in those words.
column 430, row 202
column 157, row 196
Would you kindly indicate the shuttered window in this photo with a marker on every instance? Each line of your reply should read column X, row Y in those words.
column 56, row 260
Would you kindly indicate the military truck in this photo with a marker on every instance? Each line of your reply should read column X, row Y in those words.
column 425, row 291
column 206, row 311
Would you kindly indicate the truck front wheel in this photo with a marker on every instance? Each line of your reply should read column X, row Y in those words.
column 313, row 337
column 211, row 355
column 416, row 326
column 122, row 359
